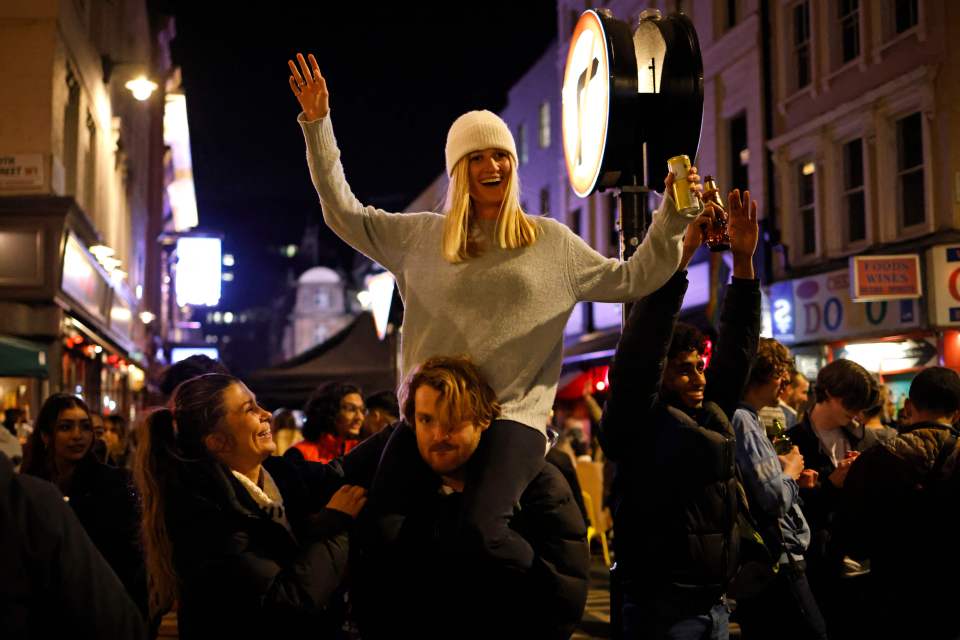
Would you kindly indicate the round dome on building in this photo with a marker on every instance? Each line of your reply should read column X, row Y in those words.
column 319, row 275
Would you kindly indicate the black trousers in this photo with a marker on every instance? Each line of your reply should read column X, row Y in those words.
column 785, row 611
column 508, row 458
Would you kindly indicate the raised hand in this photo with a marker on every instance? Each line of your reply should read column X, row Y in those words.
column 310, row 87
column 742, row 224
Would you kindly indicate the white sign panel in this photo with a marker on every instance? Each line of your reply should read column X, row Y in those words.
column 198, row 271
column 21, row 171
column 944, row 263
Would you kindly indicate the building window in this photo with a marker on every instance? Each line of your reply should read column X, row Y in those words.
column 544, row 125
column 322, row 299
column 910, row 170
column 739, row 153
column 71, row 130
column 545, row 201
column 849, row 29
column 90, row 169
column 801, row 43
column 853, row 192
column 522, row 143
column 733, row 11
column 806, row 207
column 905, row 15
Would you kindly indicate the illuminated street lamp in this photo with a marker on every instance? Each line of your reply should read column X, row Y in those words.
column 141, row 87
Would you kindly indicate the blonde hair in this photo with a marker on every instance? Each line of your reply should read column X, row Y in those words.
column 464, row 394
column 515, row 229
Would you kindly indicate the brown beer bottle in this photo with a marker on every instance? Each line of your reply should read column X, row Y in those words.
column 717, row 237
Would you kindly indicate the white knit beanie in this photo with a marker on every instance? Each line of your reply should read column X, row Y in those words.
column 476, row 130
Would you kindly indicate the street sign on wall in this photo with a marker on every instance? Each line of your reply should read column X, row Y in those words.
column 944, row 267
column 885, row 277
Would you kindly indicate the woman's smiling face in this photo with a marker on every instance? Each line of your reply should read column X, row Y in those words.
column 247, row 427
column 489, row 171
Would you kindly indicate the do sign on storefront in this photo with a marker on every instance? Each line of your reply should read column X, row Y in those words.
column 819, row 309
column 944, row 263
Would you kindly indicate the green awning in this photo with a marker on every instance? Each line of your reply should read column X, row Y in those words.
column 22, row 358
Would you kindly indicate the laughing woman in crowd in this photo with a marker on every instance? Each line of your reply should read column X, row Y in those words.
column 240, row 539
column 61, row 450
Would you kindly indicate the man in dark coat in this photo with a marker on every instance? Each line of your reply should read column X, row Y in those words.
column 55, row 583
column 417, row 575
column 900, row 510
column 830, row 437
column 667, row 426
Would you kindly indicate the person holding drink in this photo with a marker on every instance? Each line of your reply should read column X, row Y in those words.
column 666, row 424
column 773, row 475
column 487, row 280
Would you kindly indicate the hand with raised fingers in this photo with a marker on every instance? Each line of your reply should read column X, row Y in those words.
column 742, row 224
column 309, row 87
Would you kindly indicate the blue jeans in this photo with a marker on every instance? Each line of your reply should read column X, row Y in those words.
column 641, row 620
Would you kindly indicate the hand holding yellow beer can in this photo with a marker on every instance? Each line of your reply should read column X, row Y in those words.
column 687, row 202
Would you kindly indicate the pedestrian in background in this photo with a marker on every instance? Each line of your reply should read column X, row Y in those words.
column 785, row 608
column 334, row 416
column 899, row 510
column 55, row 583
column 286, row 430
column 61, row 451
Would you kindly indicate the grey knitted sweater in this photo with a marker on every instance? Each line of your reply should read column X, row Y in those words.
column 505, row 309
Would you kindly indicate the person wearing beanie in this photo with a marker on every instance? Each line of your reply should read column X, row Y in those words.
column 486, row 280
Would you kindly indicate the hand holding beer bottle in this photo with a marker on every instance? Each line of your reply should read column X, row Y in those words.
column 717, row 237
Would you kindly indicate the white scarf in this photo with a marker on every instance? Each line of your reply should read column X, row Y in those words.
column 267, row 498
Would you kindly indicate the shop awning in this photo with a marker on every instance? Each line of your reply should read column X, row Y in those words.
column 22, row 358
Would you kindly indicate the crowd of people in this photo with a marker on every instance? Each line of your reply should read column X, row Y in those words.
column 452, row 508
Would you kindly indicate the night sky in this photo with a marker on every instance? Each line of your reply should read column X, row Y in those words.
column 398, row 73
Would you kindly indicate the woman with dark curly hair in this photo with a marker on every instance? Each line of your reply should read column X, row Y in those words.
column 334, row 416
column 60, row 450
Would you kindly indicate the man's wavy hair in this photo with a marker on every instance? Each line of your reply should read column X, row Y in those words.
column 464, row 394
column 773, row 360
column 848, row 381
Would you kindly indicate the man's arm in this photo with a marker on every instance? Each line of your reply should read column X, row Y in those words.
column 736, row 344
column 638, row 365
column 740, row 320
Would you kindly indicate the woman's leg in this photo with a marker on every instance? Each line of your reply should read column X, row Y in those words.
column 509, row 456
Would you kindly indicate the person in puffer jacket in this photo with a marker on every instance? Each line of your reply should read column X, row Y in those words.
column 667, row 426
column 899, row 509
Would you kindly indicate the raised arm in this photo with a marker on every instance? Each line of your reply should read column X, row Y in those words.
column 382, row 236
column 638, row 366
column 740, row 320
column 599, row 279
